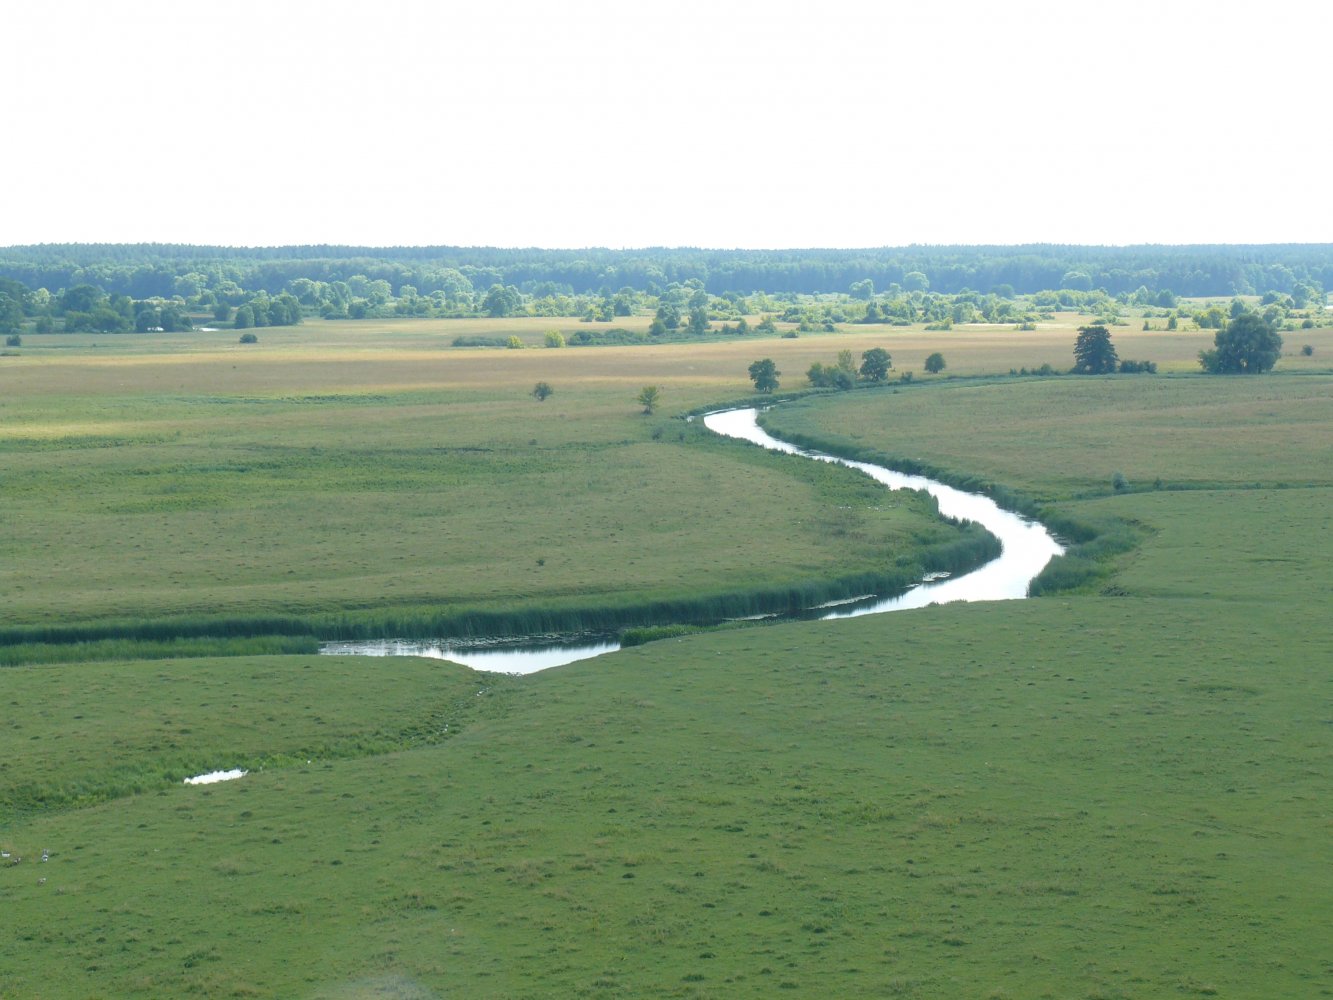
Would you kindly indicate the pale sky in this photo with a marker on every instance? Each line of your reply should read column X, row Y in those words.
column 685, row 123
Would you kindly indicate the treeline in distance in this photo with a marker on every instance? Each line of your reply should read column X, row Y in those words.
column 118, row 288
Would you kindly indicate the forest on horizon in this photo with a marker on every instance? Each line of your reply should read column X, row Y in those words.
column 143, row 270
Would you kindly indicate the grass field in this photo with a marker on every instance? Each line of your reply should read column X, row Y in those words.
column 175, row 477
column 324, row 479
column 1075, row 796
column 1159, row 432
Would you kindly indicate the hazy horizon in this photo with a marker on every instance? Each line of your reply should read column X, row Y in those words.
column 676, row 247
column 723, row 126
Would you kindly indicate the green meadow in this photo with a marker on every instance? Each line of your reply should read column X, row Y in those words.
column 1118, row 790
column 1066, row 437
column 192, row 491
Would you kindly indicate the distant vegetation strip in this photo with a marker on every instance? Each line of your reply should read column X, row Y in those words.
column 151, row 269
column 121, row 648
column 1091, row 545
column 689, row 294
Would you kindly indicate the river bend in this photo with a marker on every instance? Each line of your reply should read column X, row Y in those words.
column 1026, row 547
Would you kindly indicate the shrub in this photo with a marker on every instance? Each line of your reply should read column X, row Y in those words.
column 614, row 335
column 467, row 341
column 830, row 376
column 13, row 340
column 249, row 338
column 1118, row 482
column 514, row 343
column 554, row 338
column 1307, row 350
column 649, row 396
column 1089, row 558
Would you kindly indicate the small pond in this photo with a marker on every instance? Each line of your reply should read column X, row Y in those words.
column 215, row 776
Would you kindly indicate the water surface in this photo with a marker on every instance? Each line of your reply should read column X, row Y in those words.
column 1026, row 544
column 516, row 655
column 215, row 776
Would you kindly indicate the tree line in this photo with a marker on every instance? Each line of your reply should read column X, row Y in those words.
column 89, row 309
column 143, row 271
column 680, row 311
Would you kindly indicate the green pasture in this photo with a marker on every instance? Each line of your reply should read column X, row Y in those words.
column 372, row 471
column 293, row 490
column 1110, row 794
column 104, row 730
column 1061, row 797
column 1067, row 437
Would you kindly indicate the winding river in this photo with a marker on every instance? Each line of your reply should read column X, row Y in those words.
column 1026, row 548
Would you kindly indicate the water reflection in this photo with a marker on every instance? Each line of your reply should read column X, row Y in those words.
column 1026, row 545
column 517, row 656
column 213, row 777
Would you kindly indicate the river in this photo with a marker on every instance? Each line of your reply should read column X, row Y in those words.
column 1026, row 548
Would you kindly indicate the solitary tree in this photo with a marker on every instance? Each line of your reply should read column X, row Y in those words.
column 764, row 374
column 541, row 390
column 648, row 398
column 875, row 364
column 1094, row 354
column 935, row 363
column 1247, row 345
